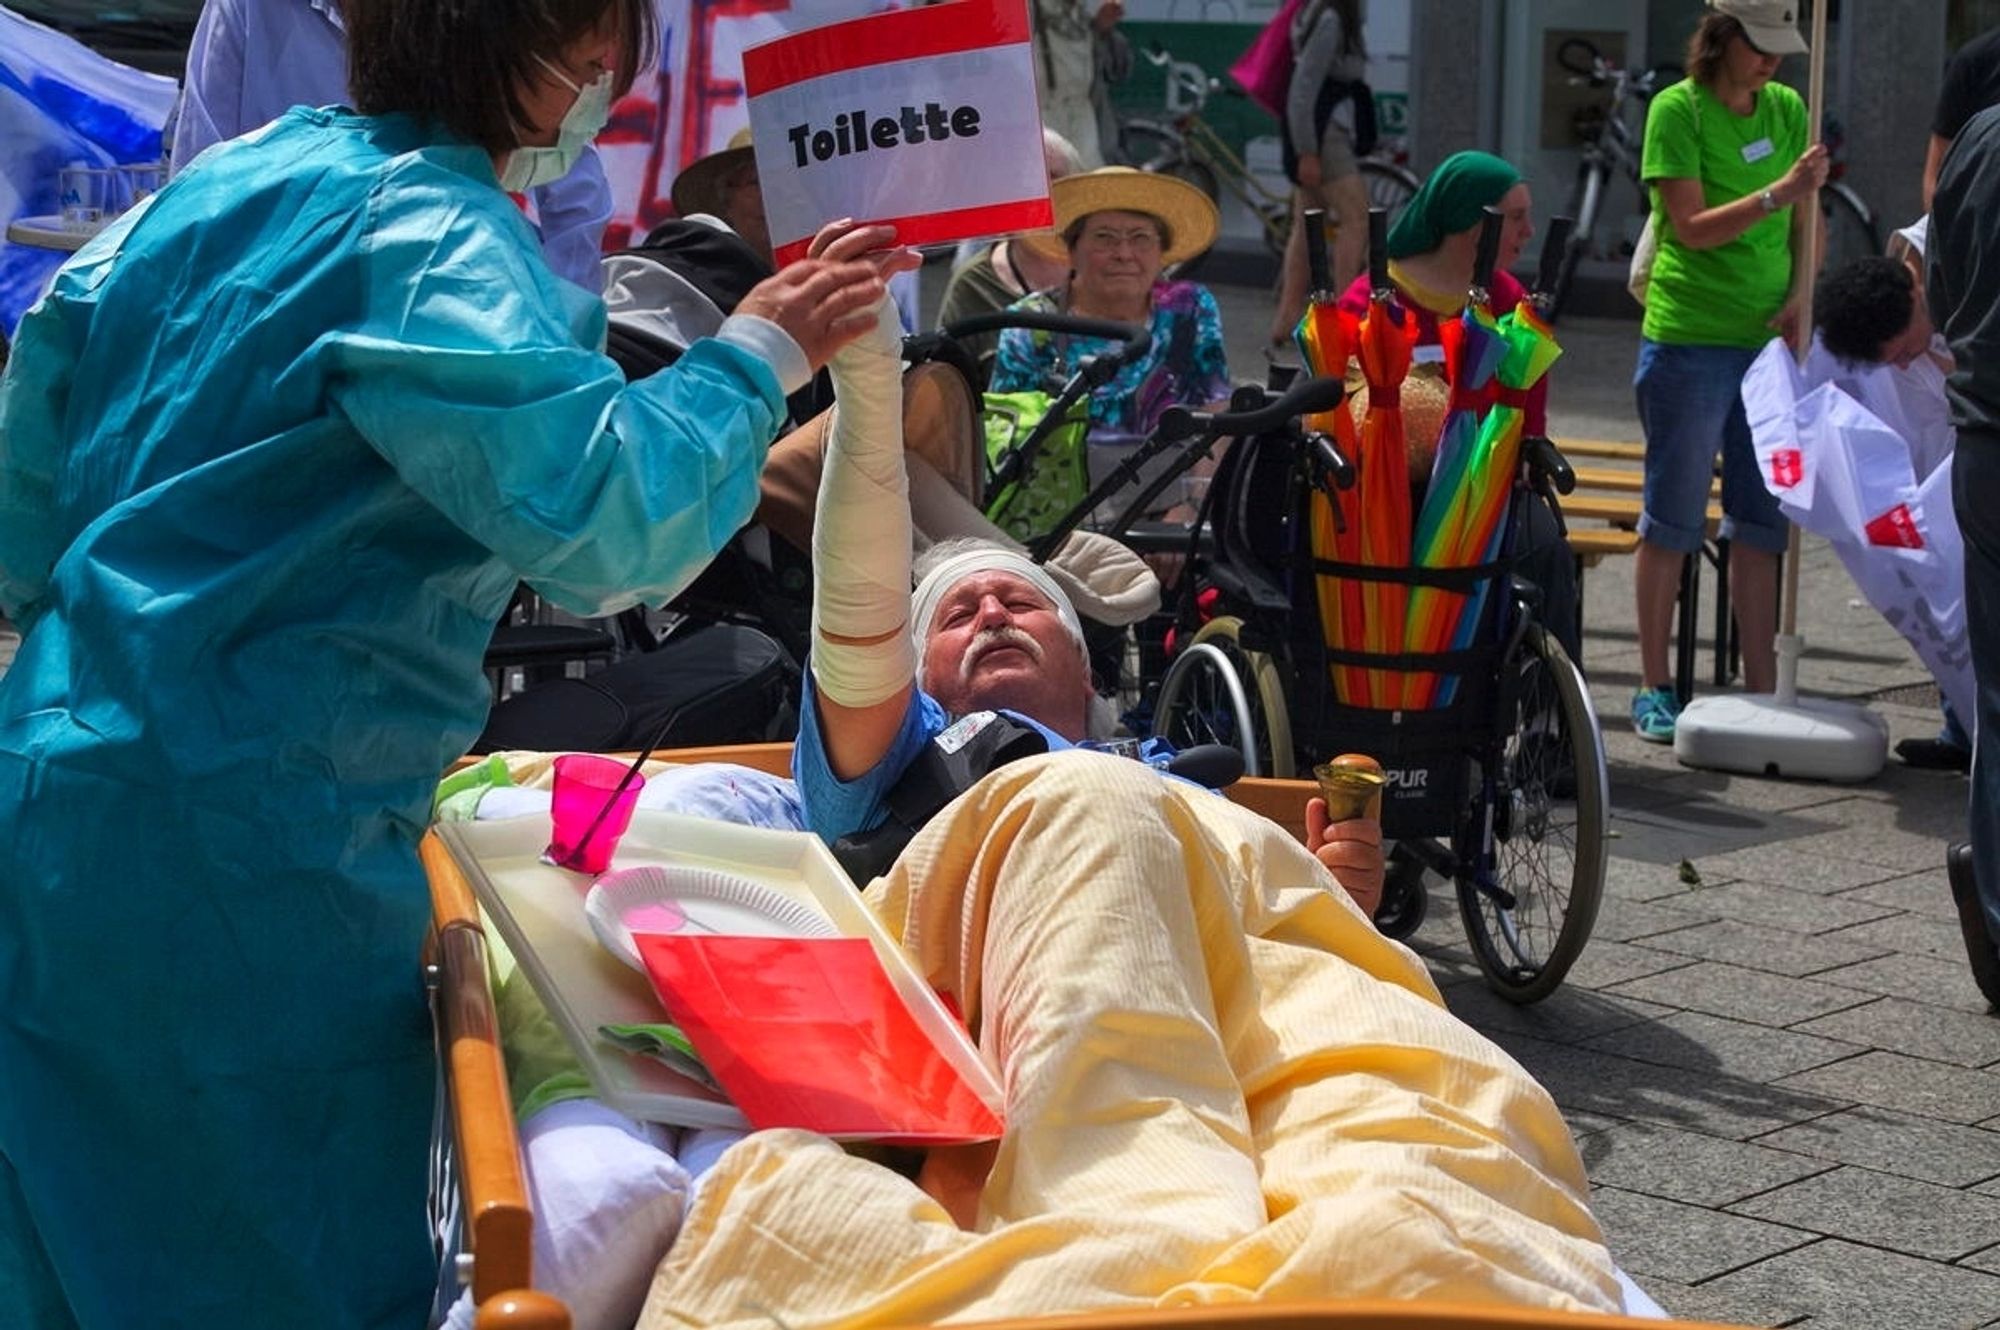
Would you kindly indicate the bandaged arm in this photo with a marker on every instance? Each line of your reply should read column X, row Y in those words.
column 863, row 660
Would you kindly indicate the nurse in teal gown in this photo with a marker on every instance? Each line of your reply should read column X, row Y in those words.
column 274, row 451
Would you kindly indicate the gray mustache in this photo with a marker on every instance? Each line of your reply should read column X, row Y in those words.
column 989, row 639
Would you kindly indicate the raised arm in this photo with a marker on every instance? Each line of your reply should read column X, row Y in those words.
column 863, row 658
column 498, row 412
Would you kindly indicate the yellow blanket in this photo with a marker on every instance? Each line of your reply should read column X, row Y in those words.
column 1222, row 1084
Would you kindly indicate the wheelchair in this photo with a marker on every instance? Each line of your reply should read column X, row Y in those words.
column 1502, row 791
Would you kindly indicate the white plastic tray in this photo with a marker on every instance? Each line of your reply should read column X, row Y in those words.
column 538, row 909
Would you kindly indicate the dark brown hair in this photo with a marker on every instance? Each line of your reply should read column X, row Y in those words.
column 1862, row 305
column 1707, row 46
column 465, row 63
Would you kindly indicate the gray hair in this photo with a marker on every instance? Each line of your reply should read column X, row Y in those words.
column 1059, row 155
column 1000, row 554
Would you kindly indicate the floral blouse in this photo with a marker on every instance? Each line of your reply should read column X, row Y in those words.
column 1185, row 365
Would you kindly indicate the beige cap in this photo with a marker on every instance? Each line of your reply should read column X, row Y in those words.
column 1769, row 25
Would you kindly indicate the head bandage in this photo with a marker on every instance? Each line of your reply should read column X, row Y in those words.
column 948, row 574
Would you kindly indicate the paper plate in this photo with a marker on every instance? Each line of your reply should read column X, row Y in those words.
column 664, row 899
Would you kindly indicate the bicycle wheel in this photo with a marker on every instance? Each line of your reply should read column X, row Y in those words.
column 1202, row 701
column 1850, row 230
column 1586, row 196
column 1545, row 827
column 1264, row 690
column 1147, row 143
column 1390, row 187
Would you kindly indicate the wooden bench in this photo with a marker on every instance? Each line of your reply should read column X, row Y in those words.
column 1610, row 494
column 1611, row 450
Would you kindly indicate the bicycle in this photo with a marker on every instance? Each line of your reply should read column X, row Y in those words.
column 1183, row 144
column 1612, row 148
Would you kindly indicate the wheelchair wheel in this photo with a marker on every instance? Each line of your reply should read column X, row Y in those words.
column 1404, row 900
column 1202, row 705
column 1544, row 825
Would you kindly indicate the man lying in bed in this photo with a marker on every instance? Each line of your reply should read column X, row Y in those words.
column 1222, row 1082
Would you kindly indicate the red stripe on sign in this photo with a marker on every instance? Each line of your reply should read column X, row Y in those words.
column 932, row 228
column 902, row 34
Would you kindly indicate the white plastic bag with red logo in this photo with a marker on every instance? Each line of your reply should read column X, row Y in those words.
column 1840, row 470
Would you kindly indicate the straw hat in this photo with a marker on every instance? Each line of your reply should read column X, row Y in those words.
column 698, row 188
column 1425, row 397
column 1187, row 213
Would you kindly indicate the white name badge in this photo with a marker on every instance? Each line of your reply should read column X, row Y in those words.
column 1758, row 151
column 924, row 118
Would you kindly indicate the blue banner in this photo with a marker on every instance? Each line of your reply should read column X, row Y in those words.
column 61, row 102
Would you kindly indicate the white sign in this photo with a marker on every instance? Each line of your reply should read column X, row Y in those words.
column 922, row 118
column 1877, row 491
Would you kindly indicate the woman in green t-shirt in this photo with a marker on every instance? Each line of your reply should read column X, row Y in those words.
column 1727, row 156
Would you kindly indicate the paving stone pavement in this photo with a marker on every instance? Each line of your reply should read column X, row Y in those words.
column 1782, row 1081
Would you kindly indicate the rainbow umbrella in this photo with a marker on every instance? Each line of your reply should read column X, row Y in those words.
column 1496, row 455
column 1385, row 341
column 1325, row 338
column 1473, row 350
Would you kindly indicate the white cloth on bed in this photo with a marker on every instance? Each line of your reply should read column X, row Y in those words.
column 607, row 1196
column 720, row 790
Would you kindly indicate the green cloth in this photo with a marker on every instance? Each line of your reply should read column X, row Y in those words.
column 542, row 1069
column 1725, row 296
column 458, row 795
column 1453, row 199
column 662, row 1042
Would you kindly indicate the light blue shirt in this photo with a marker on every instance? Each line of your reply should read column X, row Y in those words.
column 253, row 60
column 833, row 807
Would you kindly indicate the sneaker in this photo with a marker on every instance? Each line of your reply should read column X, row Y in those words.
column 1654, row 711
column 1980, row 951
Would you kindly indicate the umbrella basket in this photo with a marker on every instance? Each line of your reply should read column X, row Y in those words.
column 1423, row 752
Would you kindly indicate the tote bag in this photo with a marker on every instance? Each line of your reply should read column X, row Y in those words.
column 1265, row 70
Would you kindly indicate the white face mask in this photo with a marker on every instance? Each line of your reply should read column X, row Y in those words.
column 528, row 166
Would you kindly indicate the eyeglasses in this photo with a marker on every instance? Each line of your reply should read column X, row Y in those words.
column 1139, row 241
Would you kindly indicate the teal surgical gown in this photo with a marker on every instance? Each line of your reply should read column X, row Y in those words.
column 274, row 451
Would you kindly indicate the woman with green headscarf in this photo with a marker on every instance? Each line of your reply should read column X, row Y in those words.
column 1431, row 251
column 1431, row 248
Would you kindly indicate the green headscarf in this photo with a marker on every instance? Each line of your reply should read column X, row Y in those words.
column 1451, row 200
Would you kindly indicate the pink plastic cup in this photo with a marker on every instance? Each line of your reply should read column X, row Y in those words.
column 590, row 811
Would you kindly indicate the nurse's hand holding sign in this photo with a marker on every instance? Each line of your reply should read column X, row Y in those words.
column 827, row 299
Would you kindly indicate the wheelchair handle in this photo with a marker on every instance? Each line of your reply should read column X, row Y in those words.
column 1378, row 251
column 1305, row 398
column 1488, row 253
column 1544, row 459
column 1333, row 464
column 1074, row 324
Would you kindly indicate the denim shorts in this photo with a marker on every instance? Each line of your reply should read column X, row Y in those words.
column 1691, row 405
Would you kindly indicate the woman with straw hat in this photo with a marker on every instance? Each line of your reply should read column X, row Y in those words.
column 1120, row 229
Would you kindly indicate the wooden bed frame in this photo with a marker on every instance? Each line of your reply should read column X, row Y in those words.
column 497, row 1218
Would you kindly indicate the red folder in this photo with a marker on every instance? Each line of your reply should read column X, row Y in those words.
column 812, row 1033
